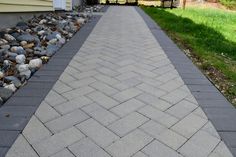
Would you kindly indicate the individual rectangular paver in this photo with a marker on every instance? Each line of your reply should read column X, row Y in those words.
column 58, row 142
column 163, row 134
column 154, row 101
column 159, row 116
column 200, row 145
column 21, row 148
column 87, row 148
column 127, row 94
column 102, row 115
column 127, row 107
column 78, row 92
column 129, row 144
column 125, row 125
column 98, row 133
column 66, row 121
column 151, row 90
column 64, row 153
column 181, row 109
column 102, row 99
column 103, row 87
column 53, row 98
column 158, row 149
column 46, row 113
column 35, row 131
column 73, row 104
column 189, row 125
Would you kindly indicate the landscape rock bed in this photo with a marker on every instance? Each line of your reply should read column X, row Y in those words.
column 27, row 46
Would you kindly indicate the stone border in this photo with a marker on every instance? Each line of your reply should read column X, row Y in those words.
column 17, row 111
column 217, row 108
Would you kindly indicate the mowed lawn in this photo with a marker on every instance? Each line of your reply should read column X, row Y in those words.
column 210, row 37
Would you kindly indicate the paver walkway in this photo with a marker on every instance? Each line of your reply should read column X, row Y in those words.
column 120, row 96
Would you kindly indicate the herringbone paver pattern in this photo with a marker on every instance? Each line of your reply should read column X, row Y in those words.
column 120, row 96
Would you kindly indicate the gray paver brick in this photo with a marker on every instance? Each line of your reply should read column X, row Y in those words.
column 63, row 153
column 98, row 133
column 54, row 98
column 102, row 87
column 127, row 107
column 189, row 125
column 159, row 116
column 158, row 149
column 58, row 142
column 100, row 114
column 127, row 94
column 73, row 104
column 78, row 92
column 35, row 131
column 129, row 144
column 140, row 154
column 151, row 90
column 21, row 148
column 86, row 148
column 66, row 121
column 154, row 101
column 200, row 145
column 125, row 125
column 102, row 99
column 46, row 113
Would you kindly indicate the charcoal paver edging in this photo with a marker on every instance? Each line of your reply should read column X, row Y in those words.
column 17, row 111
column 217, row 108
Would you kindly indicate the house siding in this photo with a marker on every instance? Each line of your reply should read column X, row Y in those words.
column 29, row 5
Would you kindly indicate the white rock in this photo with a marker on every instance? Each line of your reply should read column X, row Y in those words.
column 41, row 32
column 35, row 63
column 9, row 37
column 20, row 59
column 80, row 21
column 23, row 43
column 42, row 21
column 58, row 36
column 62, row 41
column 24, row 70
column 11, row 87
column 1, row 74
column 52, row 41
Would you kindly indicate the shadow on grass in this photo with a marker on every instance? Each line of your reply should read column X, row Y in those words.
column 202, row 38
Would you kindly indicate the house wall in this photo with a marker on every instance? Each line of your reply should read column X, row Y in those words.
column 29, row 5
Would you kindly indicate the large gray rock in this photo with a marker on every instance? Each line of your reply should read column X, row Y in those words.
column 51, row 50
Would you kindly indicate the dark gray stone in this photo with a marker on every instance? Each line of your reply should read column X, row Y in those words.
column 17, row 111
column 27, row 37
column 14, row 80
column 3, row 151
column 5, row 93
column 51, row 50
column 7, row 138
column 12, row 123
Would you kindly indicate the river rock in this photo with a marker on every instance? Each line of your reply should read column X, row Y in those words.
column 11, row 87
column 62, row 41
column 22, row 25
column 20, row 59
column 23, row 43
column 9, row 37
column 18, row 50
column 13, row 80
column 11, row 56
column 51, row 50
column 35, row 63
column 6, row 65
column 51, row 36
column 42, row 21
column 3, row 42
column 28, row 46
column 42, row 32
column 27, row 37
column 5, row 93
column 24, row 70
column 52, row 41
column 80, row 21
column 1, row 74
column 5, row 47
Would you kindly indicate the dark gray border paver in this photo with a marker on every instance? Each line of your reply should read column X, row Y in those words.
column 17, row 111
column 217, row 108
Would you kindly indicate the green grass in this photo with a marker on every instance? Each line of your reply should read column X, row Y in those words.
column 231, row 4
column 210, row 35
